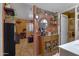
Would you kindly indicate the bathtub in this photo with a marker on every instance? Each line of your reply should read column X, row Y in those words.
column 69, row 49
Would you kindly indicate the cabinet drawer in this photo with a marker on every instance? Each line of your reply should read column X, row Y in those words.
column 54, row 37
column 47, row 38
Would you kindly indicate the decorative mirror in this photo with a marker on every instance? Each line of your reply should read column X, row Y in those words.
column 44, row 23
column 43, row 26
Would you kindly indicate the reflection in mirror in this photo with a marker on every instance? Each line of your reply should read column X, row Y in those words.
column 43, row 26
column 44, row 23
column 30, row 27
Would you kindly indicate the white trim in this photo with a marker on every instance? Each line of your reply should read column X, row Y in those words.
column 68, row 9
column 76, row 23
column 59, row 27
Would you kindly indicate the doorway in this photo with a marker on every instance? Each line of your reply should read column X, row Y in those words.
column 24, row 38
column 68, row 26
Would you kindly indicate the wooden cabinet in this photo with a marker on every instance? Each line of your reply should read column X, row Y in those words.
column 49, row 45
column 71, row 29
column 48, row 30
column 55, row 43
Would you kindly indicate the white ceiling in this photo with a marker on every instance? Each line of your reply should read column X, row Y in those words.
column 23, row 9
column 54, row 7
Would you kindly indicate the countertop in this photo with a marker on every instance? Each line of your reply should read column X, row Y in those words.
column 72, row 47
